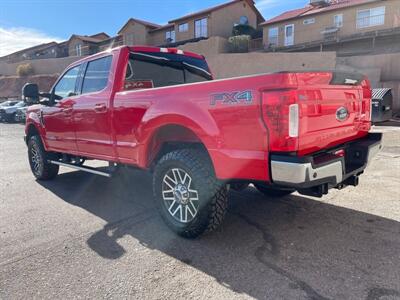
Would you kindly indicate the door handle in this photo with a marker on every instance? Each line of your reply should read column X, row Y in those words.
column 66, row 110
column 100, row 107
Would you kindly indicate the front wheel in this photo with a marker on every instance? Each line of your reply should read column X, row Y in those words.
column 272, row 191
column 41, row 169
column 190, row 198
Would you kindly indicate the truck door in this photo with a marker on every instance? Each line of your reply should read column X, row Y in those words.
column 57, row 119
column 91, row 111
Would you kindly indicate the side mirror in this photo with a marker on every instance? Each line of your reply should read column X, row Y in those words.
column 31, row 91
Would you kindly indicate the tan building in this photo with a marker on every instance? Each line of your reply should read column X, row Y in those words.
column 136, row 32
column 346, row 26
column 42, row 51
column 214, row 21
column 82, row 45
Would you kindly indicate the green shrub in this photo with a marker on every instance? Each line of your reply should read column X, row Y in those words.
column 239, row 44
column 25, row 70
column 242, row 29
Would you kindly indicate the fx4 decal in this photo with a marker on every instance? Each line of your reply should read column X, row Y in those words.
column 232, row 98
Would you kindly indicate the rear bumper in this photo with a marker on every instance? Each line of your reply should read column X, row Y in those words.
column 328, row 169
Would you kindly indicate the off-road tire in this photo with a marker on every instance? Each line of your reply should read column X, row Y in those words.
column 45, row 171
column 212, row 193
column 272, row 191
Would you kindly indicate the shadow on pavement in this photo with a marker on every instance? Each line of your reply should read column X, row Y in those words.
column 266, row 248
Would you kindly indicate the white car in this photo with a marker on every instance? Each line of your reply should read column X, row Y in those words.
column 9, row 103
column 8, row 110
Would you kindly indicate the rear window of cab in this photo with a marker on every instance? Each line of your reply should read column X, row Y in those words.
column 158, row 69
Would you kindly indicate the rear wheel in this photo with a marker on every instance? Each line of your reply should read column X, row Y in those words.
column 272, row 191
column 41, row 169
column 190, row 199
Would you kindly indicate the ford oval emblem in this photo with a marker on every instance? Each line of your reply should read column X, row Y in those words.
column 342, row 114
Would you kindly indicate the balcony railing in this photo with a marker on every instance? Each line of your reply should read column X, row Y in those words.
column 366, row 22
column 330, row 33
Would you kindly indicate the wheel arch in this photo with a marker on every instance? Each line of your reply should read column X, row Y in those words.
column 170, row 137
column 31, row 130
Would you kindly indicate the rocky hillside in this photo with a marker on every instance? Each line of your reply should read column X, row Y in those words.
column 11, row 86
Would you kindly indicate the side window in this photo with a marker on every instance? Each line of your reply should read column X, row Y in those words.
column 96, row 75
column 152, row 70
column 66, row 85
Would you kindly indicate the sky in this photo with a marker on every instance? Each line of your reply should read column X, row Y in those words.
column 25, row 23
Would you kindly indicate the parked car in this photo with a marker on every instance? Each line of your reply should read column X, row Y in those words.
column 20, row 114
column 160, row 110
column 9, row 103
column 7, row 112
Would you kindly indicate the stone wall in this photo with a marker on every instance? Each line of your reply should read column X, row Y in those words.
column 40, row 66
column 212, row 46
column 240, row 64
column 388, row 63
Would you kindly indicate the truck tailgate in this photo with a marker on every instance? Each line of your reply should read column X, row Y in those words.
column 333, row 108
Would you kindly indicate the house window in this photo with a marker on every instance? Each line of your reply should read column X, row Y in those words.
column 371, row 17
column 170, row 36
column 244, row 20
column 200, row 28
column 183, row 27
column 78, row 49
column 273, row 34
column 309, row 21
column 338, row 20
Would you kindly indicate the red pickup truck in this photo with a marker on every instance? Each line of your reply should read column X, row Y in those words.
column 159, row 109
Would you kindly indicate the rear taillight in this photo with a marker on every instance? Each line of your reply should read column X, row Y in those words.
column 281, row 115
column 293, row 120
column 366, row 101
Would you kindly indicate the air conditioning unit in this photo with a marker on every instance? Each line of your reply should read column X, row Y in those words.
column 319, row 2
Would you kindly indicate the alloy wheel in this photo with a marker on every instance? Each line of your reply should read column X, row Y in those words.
column 180, row 196
column 36, row 159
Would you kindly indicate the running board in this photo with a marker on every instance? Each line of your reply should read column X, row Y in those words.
column 84, row 169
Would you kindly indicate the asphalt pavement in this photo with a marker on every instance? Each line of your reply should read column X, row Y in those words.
column 85, row 236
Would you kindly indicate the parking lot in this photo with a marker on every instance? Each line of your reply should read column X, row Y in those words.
column 84, row 236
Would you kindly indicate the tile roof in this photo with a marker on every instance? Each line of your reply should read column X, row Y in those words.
column 311, row 10
column 156, row 27
column 37, row 48
column 86, row 38
column 336, row 4
column 145, row 23
column 211, row 9
column 287, row 15
column 100, row 35
column 163, row 27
